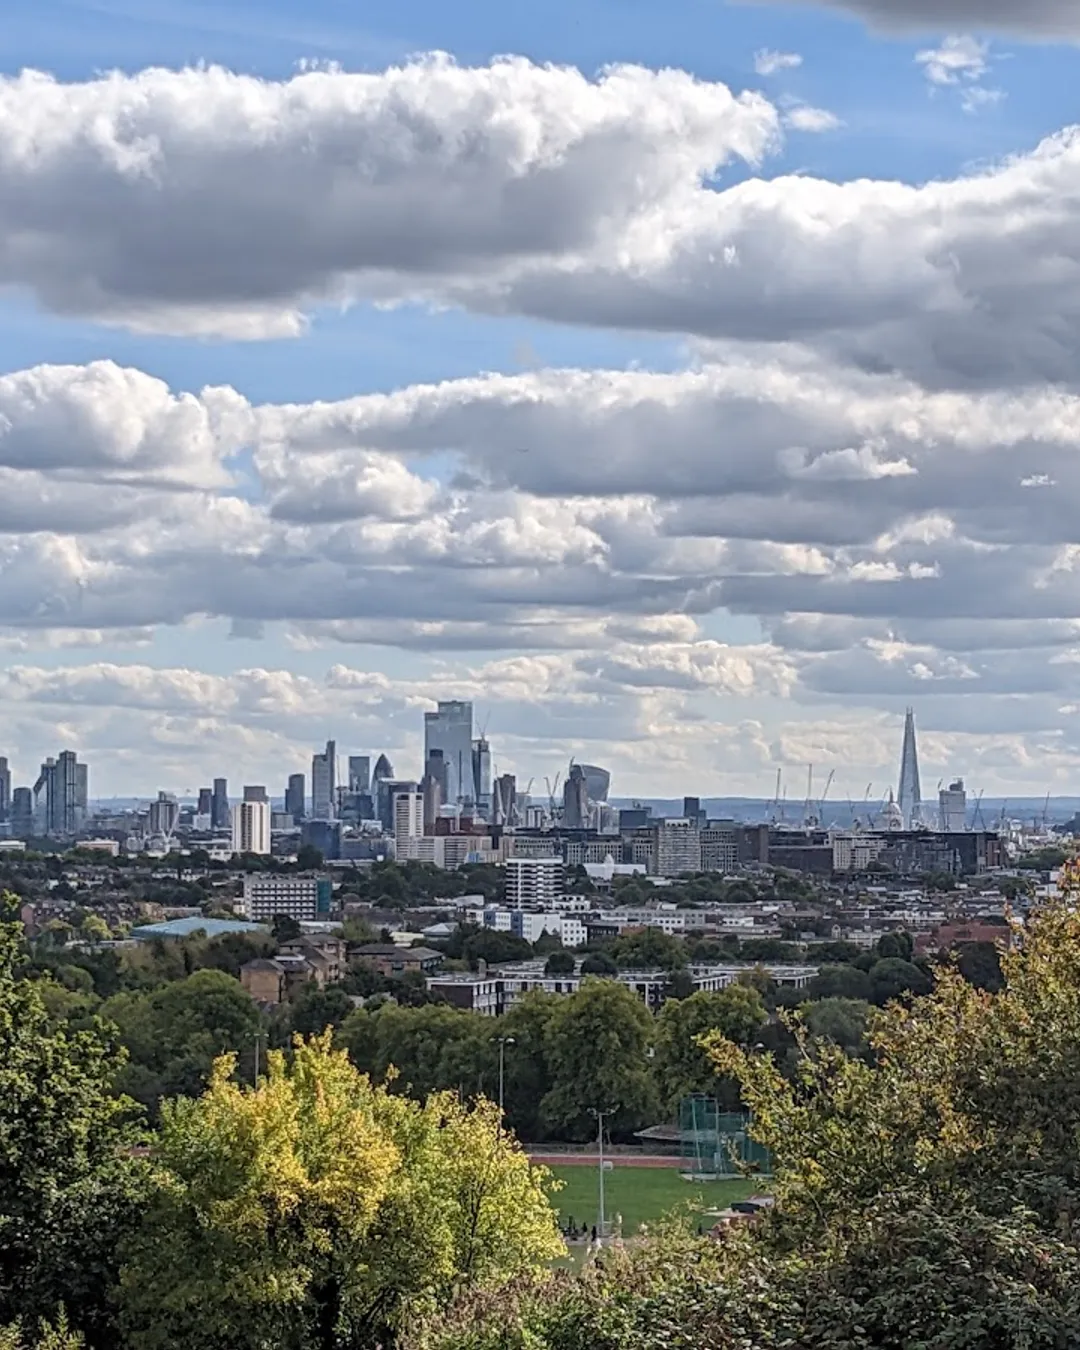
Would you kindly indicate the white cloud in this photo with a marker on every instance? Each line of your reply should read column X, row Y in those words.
column 768, row 62
column 960, row 57
column 229, row 204
column 805, row 118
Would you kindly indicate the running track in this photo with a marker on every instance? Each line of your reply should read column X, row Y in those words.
column 619, row 1160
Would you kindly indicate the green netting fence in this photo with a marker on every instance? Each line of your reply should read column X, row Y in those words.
column 716, row 1143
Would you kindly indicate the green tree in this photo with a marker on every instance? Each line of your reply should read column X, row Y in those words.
column 560, row 963
column 842, row 1021
column 893, row 978
column 308, row 858
column 597, row 1046
column 318, row 1211
column 599, row 963
column 68, row 1184
column 844, row 981
column 285, row 928
column 980, row 965
column 683, row 1065
column 898, row 945
column 316, row 1009
column 174, row 1034
column 648, row 949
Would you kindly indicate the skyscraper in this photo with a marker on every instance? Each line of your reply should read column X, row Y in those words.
column 164, row 815
column 576, row 799
column 324, row 783
column 481, row 770
column 408, row 821
column 22, row 813
column 206, row 803
column 219, row 815
column 952, row 807
column 60, row 795
column 5, row 789
column 450, row 730
column 359, row 773
column 505, row 806
column 909, row 798
column 294, row 796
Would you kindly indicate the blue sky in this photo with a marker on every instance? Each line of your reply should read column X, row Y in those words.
column 588, row 694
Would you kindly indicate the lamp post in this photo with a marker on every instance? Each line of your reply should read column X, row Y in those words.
column 600, row 1113
column 504, row 1041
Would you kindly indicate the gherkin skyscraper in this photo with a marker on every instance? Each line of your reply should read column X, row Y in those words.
column 909, row 798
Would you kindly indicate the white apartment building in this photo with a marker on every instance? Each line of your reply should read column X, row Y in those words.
column 678, row 848
column 251, row 828
column 408, row 821
column 304, row 899
column 855, row 852
column 532, row 925
column 534, row 883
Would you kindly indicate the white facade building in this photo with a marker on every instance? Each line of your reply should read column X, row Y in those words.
column 304, row 899
column 952, row 807
column 678, row 848
column 408, row 821
column 534, row 883
column 251, row 827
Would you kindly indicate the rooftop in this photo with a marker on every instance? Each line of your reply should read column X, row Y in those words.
column 182, row 928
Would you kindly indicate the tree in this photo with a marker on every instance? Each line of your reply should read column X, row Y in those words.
column 94, row 928
column 597, row 1047
column 599, row 963
column 839, row 1020
column 319, row 1211
column 898, row 945
column 560, row 963
column 316, row 1009
column 847, row 981
column 174, row 1034
column 980, row 965
column 683, row 1065
column 308, row 858
column 648, row 949
column 68, row 1182
column 893, row 978
column 285, row 928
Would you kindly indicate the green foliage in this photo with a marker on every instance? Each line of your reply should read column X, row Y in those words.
column 174, row 1034
column 599, row 963
column 683, row 1065
column 597, row 1045
column 648, row 949
column 47, row 1336
column 68, row 1185
column 560, row 963
column 846, row 981
column 317, row 1211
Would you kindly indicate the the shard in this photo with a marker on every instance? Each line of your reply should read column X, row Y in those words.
column 909, row 798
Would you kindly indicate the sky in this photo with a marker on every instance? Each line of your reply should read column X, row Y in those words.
column 692, row 386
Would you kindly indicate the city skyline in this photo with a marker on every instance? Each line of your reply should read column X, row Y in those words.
column 611, row 442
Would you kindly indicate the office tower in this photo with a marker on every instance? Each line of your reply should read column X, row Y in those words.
column 534, row 883
column 481, row 772
column 952, row 807
column 82, row 792
column 5, row 789
column 325, row 835
column 408, row 821
column 206, row 803
column 251, row 827
column 909, row 798
column 450, row 730
column 324, row 783
column 256, row 794
column 359, row 773
column 691, row 809
column 431, row 788
column 294, row 796
column 575, row 799
column 382, row 774
column 390, row 788
column 597, row 782
column 219, row 815
column 164, row 815
column 22, row 813
column 504, row 805
column 435, row 769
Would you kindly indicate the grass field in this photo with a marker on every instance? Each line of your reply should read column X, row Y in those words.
column 641, row 1195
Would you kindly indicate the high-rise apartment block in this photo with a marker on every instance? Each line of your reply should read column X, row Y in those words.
column 408, row 821
column 5, row 789
column 164, row 815
column 449, row 729
column 251, row 827
column 952, row 807
column 61, row 796
column 324, row 783
column 534, row 883
column 678, row 848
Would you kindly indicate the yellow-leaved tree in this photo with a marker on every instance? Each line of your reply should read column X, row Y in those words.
column 318, row 1211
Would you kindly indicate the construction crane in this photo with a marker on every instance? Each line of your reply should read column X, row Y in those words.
column 824, row 795
column 978, row 815
column 809, row 818
column 552, row 789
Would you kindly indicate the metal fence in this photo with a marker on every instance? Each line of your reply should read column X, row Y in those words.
column 716, row 1143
